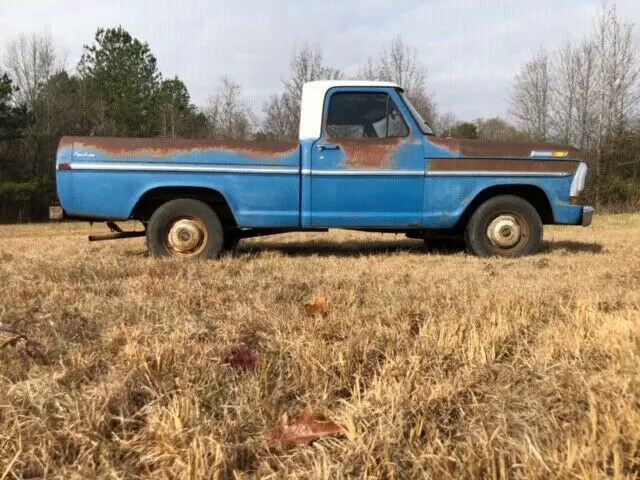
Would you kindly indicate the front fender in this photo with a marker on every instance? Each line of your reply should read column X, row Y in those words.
column 448, row 198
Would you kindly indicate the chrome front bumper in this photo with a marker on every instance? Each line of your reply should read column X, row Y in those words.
column 587, row 215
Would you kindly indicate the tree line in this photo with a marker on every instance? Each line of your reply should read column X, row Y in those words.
column 584, row 93
column 117, row 89
column 587, row 94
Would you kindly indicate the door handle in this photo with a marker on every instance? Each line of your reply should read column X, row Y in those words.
column 327, row 146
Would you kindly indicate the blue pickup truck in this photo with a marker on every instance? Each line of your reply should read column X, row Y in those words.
column 365, row 160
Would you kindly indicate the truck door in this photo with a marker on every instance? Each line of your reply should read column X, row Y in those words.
column 367, row 168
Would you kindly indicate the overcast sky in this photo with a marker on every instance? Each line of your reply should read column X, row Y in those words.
column 472, row 48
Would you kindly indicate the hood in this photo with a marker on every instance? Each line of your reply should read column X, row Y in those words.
column 465, row 148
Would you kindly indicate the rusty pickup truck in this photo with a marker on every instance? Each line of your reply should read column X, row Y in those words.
column 365, row 160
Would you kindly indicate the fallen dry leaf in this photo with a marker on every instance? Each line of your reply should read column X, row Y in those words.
column 33, row 350
column 30, row 349
column 317, row 306
column 302, row 432
column 7, row 329
column 241, row 357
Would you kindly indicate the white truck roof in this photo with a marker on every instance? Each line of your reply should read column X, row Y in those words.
column 312, row 102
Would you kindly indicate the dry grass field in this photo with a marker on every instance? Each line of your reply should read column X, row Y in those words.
column 438, row 365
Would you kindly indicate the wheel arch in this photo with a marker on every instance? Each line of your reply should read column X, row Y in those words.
column 153, row 198
column 531, row 193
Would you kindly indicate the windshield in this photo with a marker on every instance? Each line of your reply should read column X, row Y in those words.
column 424, row 126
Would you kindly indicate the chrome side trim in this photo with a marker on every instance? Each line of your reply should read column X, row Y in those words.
column 362, row 172
column 164, row 167
column 172, row 167
column 489, row 173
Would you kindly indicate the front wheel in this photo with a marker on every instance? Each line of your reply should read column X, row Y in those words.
column 185, row 228
column 504, row 226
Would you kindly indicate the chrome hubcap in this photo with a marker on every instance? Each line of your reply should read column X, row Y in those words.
column 504, row 231
column 187, row 236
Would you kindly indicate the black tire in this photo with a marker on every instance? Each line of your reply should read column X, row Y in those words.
column 185, row 228
column 504, row 226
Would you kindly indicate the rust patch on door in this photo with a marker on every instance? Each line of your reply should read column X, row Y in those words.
column 368, row 152
column 166, row 147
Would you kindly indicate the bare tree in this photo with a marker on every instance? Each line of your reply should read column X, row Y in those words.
column 498, row 129
column 307, row 64
column 282, row 112
column 617, row 73
column 399, row 63
column 31, row 60
column 563, row 93
column 586, row 94
column 229, row 115
column 277, row 123
column 585, row 64
column 531, row 95
column 445, row 123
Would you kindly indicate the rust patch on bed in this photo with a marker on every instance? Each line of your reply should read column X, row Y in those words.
column 502, row 165
column 369, row 152
column 165, row 147
column 65, row 142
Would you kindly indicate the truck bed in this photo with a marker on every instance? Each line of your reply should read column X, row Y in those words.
column 108, row 176
column 157, row 150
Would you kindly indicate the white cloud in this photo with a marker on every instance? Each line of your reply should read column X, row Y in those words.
column 472, row 47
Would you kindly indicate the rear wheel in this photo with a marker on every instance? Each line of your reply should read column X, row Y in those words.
column 185, row 228
column 504, row 226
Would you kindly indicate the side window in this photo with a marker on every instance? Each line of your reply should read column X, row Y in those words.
column 364, row 115
column 396, row 125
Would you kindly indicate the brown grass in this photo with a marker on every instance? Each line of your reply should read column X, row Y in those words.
column 438, row 365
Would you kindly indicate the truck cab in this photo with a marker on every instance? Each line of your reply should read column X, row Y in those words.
column 364, row 160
